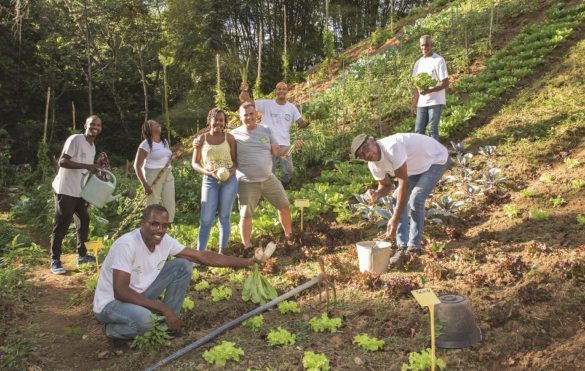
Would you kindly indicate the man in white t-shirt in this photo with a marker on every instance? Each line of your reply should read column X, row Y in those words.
column 136, row 272
column 76, row 160
column 427, row 104
column 278, row 115
column 417, row 162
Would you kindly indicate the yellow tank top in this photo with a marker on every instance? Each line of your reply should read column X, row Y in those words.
column 214, row 156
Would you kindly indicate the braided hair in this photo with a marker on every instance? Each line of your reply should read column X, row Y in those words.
column 147, row 133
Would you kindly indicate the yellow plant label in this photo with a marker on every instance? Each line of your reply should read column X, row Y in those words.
column 302, row 202
column 425, row 297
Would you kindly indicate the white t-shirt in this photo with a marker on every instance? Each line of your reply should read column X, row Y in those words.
column 130, row 254
column 278, row 117
column 419, row 152
column 436, row 67
column 68, row 181
column 158, row 157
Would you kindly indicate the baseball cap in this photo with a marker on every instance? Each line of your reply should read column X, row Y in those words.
column 357, row 143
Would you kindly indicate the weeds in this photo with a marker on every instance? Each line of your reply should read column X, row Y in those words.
column 539, row 214
column 152, row 341
column 512, row 211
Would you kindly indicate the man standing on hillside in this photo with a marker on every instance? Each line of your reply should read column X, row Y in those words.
column 255, row 147
column 427, row 104
column 75, row 161
column 136, row 272
column 417, row 162
column 278, row 114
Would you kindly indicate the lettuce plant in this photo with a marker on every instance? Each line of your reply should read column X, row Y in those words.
column 422, row 361
column 254, row 323
column 315, row 362
column 539, row 214
column 367, row 343
column 221, row 293
column 281, row 336
column 153, row 340
column 288, row 307
column 202, row 285
column 188, row 304
column 220, row 354
column 324, row 323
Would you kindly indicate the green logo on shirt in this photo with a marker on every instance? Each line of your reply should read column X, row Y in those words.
column 264, row 140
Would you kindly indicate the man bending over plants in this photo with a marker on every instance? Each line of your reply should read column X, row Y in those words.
column 417, row 162
column 136, row 271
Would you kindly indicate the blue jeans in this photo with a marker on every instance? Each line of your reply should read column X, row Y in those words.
column 126, row 321
column 412, row 220
column 286, row 167
column 428, row 115
column 216, row 197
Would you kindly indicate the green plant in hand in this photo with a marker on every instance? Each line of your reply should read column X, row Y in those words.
column 281, row 336
column 220, row 354
column 254, row 323
column 367, row 343
column 315, row 362
column 257, row 288
column 324, row 323
column 152, row 341
column 422, row 361
column 423, row 81
column 288, row 307
column 221, row 293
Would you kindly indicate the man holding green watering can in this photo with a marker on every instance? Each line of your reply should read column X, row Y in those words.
column 76, row 160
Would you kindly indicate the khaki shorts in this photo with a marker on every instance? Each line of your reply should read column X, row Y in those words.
column 249, row 195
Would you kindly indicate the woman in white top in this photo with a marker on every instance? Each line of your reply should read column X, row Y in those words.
column 153, row 158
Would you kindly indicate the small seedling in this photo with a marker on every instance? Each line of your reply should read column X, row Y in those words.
column 539, row 214
column 422, row 361
column 557, row 201
column 512, row 211
column 220, row 293
column 152, row 341
column 202, row 286
column 437, row 247
column 315, row 362
column 572, row 163
column 220, row 354
column 288, row 307
column 91, row 283
column 71, row 330
column 546, row 178
column 324, row 323
column 195, row 275
column 529, row 193
column 281, row 336
column 581, row 219
column 367, row 343
column 577, row 183
column 188, row 304
column 254, row 323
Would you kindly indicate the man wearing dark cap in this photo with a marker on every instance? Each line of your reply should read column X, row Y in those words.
column 417, row 162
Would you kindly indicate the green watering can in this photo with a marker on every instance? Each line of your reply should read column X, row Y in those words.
column 96, row 191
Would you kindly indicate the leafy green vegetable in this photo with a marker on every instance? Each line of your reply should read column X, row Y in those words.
column 325, row 323
column 288, row 307
column 281, row 336
column 422, row 361
column 188, row 304
column 221, row 293
column 254, row 323
column 367, row 343
column 202, row 285
column 315, row 362
column 152, row 341
column 222, row 353
column 257, row 288
column 423, row 81
column 195, row 275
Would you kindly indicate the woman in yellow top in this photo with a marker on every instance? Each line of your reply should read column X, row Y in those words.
column 214, row 153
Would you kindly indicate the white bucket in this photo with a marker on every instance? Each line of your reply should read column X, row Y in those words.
column 373, row 256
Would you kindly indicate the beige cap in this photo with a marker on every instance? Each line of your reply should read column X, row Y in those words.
column 357, row 143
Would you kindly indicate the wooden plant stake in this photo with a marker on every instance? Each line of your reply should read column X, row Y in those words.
column 427, row 298
column 302, row 203
column 95, row 247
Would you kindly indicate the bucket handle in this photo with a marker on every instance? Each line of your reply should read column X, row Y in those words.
column 86, row 176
